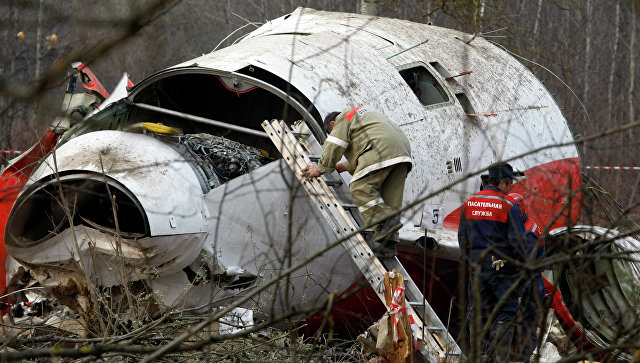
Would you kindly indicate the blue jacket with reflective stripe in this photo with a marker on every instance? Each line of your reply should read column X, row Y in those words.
column 490, row 218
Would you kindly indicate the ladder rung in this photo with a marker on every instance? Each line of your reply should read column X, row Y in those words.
column 416, row 303
column 314, row 158
column 349, row 206
column 333, row 182
column 432, row 328
column 300, row 134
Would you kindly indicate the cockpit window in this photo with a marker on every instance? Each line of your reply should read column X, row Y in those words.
column 424, row 85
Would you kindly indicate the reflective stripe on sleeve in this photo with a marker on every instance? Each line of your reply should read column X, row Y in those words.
column 337, row 141
column 494, row 197
column 370, row 204
column 380, row 165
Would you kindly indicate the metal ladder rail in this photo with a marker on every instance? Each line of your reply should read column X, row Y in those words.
column 313, row 147
column 413, row 295
column 341, row 224
column 320, row 193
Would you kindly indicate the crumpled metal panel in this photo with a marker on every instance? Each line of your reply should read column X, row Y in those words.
column 76, row 261
column 258, row 218
column 446, row 245
column 155, row 173
column 142, row 258
column 607, row 288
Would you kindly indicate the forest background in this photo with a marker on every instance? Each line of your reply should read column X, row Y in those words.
column 584, row 51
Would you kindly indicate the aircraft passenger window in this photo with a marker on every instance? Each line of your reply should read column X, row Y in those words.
column 424, row 85
column 438, row 67
column 466, row 104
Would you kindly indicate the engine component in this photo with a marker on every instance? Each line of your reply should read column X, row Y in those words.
column 225, row 158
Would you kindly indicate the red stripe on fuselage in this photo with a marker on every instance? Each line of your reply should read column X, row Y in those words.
column 11, row 182
column 549, row 189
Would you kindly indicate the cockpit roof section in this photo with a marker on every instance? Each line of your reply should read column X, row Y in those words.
column 336, row 60
column 385, row 31
column 281, row 36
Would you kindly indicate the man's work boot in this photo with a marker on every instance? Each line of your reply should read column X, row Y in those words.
column 387, row 228
column 386, row 249
column 503, row 337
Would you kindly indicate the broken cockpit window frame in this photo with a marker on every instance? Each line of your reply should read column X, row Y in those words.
column 425, row 85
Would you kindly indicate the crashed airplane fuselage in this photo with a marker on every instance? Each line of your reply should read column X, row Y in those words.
column 176, row 185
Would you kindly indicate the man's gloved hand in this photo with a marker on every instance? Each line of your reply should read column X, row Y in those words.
column 497, row 263
column 310, row 171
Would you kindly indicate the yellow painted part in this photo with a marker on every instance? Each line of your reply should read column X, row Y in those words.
column 161, row 129
column 264, row 153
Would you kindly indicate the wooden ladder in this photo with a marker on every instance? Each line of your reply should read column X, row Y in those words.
column 331, row 195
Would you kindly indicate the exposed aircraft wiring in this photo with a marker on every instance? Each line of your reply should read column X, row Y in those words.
column 552, row 73
column 610, row 205
column 227, row 158
column 485, row 34
column 230, row 34
column 233, row 32
column 492, row 31
column 240, row 38
column 25, row 289
column 404, row 50
column 248, row 21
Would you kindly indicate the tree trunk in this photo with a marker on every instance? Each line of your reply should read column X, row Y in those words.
column 614, row 59
column 369, row 7
column 537, row 23
column 587, row 51
column 7, row 127
column 265, row 12
column 39, row 38
column 632, row 63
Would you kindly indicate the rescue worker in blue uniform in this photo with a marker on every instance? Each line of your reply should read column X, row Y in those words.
column 532, row 293
column 491, row 236
column 378, row 155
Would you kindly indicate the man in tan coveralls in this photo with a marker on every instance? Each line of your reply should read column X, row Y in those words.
column 378, row 158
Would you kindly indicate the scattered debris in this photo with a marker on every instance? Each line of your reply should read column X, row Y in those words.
column 236, row 321
column 549, row 353
column 561, row 342
column 59, row 328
